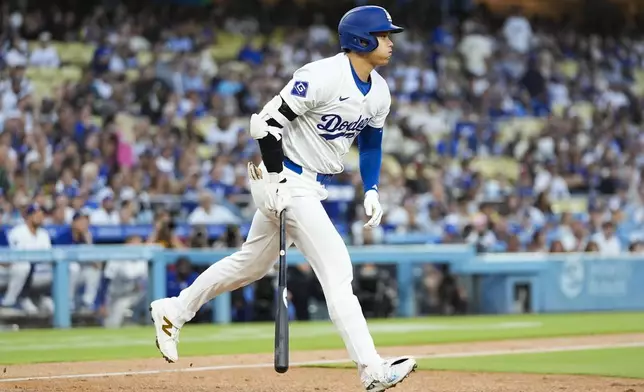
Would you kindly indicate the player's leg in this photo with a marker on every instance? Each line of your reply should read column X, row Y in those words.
column 119, row 308
column 40, row 287
column 91, row 280
column 74, row 283
column 255, row 258
column 115, row 309
column 18, row 276
column 4, row 277
column 318, row 239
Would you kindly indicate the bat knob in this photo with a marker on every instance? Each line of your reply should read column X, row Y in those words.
column 281, row 369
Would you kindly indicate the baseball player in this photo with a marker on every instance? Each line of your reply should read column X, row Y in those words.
column 24, row 275
column 303, row 133
column 90, row 274
column 125, row 287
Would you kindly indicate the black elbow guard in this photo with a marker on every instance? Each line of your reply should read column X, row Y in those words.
column 272, row 153
column 271, row 148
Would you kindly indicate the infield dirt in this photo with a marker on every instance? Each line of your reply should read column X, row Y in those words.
column 249, row 373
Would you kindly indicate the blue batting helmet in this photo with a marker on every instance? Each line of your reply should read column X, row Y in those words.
column 358, row 26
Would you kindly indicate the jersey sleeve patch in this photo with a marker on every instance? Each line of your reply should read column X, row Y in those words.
column 300, row 89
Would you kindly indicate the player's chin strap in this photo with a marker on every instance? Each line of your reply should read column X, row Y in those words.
column 275, row 115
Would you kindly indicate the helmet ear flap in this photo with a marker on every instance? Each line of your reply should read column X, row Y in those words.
column 363, row 44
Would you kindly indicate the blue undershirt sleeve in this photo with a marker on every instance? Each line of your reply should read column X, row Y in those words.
column 370, row 148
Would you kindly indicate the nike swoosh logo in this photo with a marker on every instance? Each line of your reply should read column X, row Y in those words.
column 343, row 98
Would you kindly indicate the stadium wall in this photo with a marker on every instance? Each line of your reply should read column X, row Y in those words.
column 552, row 283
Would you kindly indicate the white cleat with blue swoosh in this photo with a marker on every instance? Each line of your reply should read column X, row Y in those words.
column 391, row 373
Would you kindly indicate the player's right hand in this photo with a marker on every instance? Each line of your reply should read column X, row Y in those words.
column 269, row 191
column 372, row 208
column 259, row 128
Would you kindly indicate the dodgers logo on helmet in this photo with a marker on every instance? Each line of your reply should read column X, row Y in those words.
column 337, row 127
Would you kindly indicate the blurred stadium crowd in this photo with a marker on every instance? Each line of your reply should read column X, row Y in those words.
column 510, row 133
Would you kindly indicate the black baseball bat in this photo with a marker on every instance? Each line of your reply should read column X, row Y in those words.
column 281, row 317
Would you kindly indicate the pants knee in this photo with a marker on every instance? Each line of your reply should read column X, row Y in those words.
column 74, row 269
column 252, row 266
column 4, row 277
column 256, row 271
column 19, row 270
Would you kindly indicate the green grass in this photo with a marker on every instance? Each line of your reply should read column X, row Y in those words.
column 29, row 346
column 617, row 362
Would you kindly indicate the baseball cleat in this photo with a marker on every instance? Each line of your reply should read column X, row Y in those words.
column 391, row 373
column 167, row 325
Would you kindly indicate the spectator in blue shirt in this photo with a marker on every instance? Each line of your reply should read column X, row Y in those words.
column 101, row 57
column 251, row 54
column 180, row 277
column 76, row 234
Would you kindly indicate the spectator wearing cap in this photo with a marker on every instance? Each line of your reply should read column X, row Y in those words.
column 106, row 214
column 45, row 55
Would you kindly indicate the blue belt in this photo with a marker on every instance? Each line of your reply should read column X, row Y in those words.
column 321, row 178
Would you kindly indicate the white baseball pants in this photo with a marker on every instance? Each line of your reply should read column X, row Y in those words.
column 309, row 227
column 120, row 307
column 18, row 274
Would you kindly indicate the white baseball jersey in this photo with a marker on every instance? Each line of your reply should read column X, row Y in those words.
column 124, row 275
column 331, row 112
column 20, row 237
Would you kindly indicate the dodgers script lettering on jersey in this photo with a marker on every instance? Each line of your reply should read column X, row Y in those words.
column 335, row 126
column 331, row 111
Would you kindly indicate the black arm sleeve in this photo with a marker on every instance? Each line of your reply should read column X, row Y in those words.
column 270, row 147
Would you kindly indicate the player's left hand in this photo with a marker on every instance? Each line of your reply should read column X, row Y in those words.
column 270, row 192
column 372, row 208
